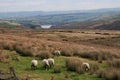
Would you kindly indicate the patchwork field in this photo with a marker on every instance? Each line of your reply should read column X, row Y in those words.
column 99, row 48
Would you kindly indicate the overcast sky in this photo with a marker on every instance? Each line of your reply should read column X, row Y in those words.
column 55, row 5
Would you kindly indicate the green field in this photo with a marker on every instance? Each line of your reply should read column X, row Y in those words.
column 23, row 69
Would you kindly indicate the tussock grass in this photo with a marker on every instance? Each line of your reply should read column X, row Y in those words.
column 66, row 52
column 99, row 56
column 75, row 65
column 109, row 74
column 72, row 64
column 57, row 69
column 44, row 54
column 94, row 68
column 114, row 63
column 4, row 57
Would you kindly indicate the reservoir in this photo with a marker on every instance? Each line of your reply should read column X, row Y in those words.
column 46, row 26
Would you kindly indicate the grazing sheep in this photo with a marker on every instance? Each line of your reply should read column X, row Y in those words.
column 86, row 66
column 45, row 64
column 51, row 62
column 57, row 53
column 34, row 64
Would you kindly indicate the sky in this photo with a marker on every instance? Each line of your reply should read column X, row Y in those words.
column 55, row 5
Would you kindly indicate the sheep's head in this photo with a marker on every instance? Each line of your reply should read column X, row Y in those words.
column 87, row 69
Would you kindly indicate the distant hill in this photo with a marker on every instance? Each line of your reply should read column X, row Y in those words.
column 76, row 19
column 36, row 13
column 7, row 15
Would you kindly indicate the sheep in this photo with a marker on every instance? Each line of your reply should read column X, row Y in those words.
column 34, row 64
column 45, row 64
column 57, row 53
column 51, row 62
column 86, row 66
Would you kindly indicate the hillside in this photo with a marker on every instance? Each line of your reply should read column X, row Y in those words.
column 9, row 24
column 109, row 25
column 13, row 24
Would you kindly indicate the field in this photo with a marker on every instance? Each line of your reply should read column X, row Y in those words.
column 100, row 48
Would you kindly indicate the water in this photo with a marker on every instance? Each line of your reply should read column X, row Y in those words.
column 46, row 26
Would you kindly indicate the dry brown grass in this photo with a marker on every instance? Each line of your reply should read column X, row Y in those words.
column 74, row 64
column 93, row 68
column 114, row 63
column 4, row 57
column 44, row 55
column 98, row 56
column 31, row 42
column 109, row 74
column 112, row 72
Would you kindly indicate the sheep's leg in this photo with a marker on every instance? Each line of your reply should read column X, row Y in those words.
column 36, row 67
column 53, row 64
column 31, row 67
column 44, row 67
column 50, row 66
column 47, row 67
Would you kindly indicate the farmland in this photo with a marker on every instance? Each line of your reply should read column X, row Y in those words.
column 100, row 48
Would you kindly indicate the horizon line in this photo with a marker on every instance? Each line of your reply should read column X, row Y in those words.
column 57, row 10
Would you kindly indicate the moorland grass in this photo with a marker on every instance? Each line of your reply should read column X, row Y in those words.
column 24, row 45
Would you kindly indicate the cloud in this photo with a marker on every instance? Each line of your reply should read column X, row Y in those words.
column 21, row 2
column 53, row 5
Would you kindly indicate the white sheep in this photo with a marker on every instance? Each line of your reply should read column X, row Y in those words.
column 45, row 64
column 51, row 62
column 57, row 53
column 86, row 66
column 34, row 64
